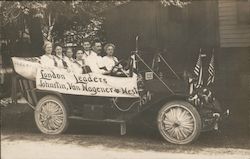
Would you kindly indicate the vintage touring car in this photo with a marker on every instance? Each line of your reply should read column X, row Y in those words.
column 180, row 110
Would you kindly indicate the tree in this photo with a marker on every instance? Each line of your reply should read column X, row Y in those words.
column 178, row 3
column 57, row 19
column 12, row 13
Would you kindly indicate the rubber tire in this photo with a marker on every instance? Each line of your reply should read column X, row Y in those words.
column 195, row 114
column 64, row 108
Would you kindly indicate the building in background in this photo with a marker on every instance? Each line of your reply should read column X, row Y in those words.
column 234, row 44
column 180, row 32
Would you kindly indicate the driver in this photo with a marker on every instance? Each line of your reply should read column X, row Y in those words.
column 109, row 61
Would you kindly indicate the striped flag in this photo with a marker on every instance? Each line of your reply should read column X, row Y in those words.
column 198, row 73
column 211, row 71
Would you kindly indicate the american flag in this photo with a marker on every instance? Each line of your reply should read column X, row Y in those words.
column 198, row 73
column 211, row 71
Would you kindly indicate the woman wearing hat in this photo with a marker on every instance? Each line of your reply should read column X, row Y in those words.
column 48, row 60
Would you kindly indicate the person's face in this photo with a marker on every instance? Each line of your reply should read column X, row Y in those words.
column 97, row 48
column 58, row 50
column 48, row 49
column 69, row 53
column 79, row 54
column 86, row 46
column 110, row 51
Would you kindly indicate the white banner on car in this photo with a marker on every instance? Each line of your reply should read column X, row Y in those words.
column 91, row 84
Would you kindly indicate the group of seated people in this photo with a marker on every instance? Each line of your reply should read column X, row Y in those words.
column 86, row 59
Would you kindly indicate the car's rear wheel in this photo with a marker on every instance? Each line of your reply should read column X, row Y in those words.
column 51, row 115
column 179, row 122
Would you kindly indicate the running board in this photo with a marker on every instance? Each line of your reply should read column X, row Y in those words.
column 123, row 127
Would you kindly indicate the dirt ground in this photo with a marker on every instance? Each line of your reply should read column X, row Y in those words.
column 20, row 139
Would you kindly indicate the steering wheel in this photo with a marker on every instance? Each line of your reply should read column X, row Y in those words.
column 117, row 71
column 115, row 68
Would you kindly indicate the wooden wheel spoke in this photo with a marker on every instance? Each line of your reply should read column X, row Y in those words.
column 178, row 113
column 179, row 135
column 187, row 129
column 58, row 123
column 43, row 118
column 46, row 124
column 187, row 124
column 59, row 117
column 53, row 124
column 168, row 122
column 59, row 112
column 183, row 133
column 171, row 132
column 169, row 116
column 186, row 117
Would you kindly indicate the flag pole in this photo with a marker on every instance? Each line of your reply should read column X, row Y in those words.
column 136, row 51
column 136, row 44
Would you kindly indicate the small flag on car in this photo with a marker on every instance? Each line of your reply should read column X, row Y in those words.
column 198, row 72
column 211, row 71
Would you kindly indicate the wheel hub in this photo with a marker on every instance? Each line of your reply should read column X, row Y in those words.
column 176, row 124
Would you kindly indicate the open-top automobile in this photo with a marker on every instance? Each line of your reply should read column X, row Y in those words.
column 180, row 105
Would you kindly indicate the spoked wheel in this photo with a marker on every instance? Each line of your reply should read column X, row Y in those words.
column 51, row 115
column 179, row 122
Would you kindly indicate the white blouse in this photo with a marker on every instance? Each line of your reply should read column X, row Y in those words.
column 77, row 66
column 69, row 62
column 47, row 61
column 59, row 61
column 94, row 62
column 109, row 62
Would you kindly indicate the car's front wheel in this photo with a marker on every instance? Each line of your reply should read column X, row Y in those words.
column 179, row 122
column 51, row 115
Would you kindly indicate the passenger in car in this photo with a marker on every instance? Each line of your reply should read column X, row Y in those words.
column 59, row 57
column 97, row 48
column 79, row 65
column 91, row 58
column 87, row 49
column 48, row 60
column 68, row 58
